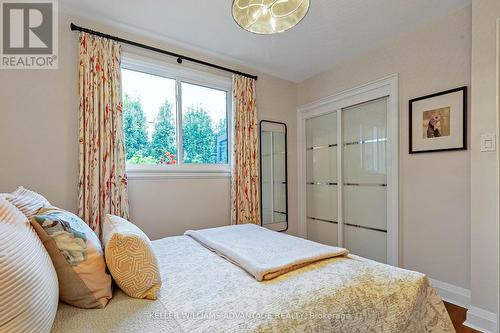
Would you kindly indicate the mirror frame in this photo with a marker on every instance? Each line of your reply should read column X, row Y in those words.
column 286, row 171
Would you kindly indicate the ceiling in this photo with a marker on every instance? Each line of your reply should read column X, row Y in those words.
column 333, row 30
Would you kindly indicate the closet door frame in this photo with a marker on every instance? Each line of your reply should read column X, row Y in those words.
column 385, row 87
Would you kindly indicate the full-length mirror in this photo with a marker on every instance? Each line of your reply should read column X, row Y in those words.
column 273, row 175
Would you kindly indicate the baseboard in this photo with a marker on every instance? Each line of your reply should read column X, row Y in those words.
column 477, row 318
column 481, row 320
column 452, row 294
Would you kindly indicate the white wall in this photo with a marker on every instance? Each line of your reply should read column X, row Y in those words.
column 434, row 188
column 39, row 141
column 484, row 166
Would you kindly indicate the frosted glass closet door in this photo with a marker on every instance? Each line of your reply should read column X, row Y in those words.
column 364, row 168
column 321, row 178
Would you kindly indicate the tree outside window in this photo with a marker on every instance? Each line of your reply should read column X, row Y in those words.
column 150, row 121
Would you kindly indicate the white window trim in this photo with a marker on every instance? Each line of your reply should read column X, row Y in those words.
column 192, row 76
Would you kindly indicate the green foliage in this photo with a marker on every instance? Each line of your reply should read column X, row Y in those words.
column 138, row 158
column 221, row 128
column 134, row 127
column 221, row 134
column 164, row 139
column 198, row 136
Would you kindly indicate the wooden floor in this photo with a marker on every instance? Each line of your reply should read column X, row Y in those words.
column 457, row 315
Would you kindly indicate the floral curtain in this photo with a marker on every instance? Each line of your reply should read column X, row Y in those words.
column 102, row 183
column 245, row 175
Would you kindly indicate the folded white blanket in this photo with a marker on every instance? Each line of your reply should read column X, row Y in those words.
column 263, row 253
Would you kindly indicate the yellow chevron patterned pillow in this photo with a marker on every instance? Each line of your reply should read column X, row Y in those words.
column 130, row 258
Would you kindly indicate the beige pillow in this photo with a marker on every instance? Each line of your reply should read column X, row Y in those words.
column 28, row 202
column 130, row 258
column 28, row 281
column 78, row 258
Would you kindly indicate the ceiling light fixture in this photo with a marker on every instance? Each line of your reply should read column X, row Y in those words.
column 269, row 16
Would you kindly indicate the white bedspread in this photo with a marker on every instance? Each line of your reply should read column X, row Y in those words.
column 203, row 292
column 263, row 253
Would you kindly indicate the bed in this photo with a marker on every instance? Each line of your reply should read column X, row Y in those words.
column 203, row 292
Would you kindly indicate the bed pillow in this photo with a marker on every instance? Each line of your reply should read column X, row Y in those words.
column 77, row 256
column 130, row 258
column 28, row 281
column 28, row 202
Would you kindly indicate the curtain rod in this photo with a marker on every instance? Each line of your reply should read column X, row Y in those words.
column 179, row 57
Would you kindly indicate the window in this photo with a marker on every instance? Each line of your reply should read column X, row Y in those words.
column 149, row 120
column 174, row 120
column 204, row 124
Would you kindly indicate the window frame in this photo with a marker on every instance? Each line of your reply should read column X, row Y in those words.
column 182, row 75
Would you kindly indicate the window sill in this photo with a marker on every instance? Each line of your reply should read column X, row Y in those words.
column 145, row 172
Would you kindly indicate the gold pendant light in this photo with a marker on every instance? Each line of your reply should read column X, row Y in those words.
column 269, row 16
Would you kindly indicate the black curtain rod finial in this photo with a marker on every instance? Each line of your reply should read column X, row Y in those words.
column 180, row 57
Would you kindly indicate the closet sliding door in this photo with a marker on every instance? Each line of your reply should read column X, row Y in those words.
column 321, row 179
column 364, row 190
column 351, row 175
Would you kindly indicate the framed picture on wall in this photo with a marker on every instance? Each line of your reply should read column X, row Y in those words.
column 438, row 122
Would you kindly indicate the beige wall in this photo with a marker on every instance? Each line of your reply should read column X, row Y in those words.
column 434, row 188
column 484, row 166
column 39, row 136
column 39, row 127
